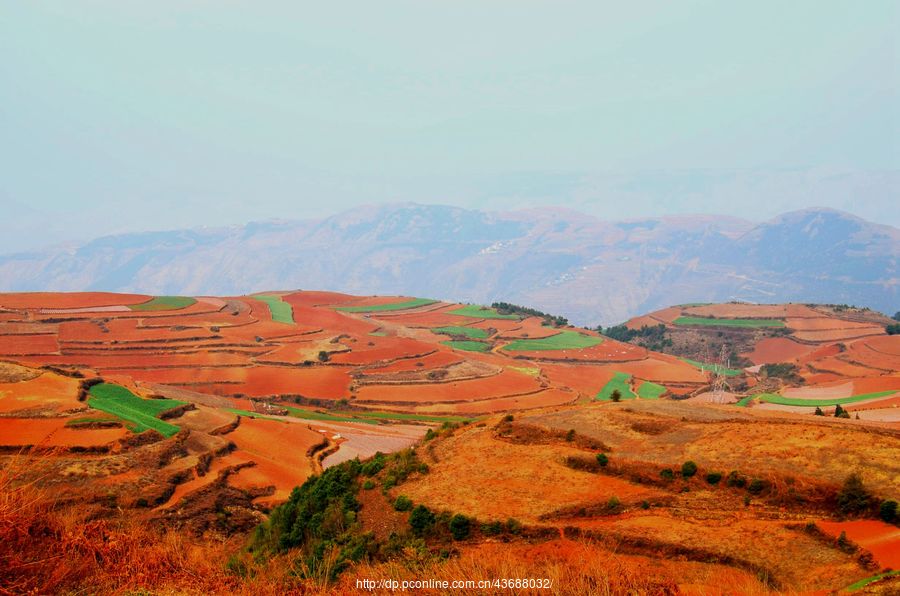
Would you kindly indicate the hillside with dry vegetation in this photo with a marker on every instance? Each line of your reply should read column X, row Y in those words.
column 300, row 441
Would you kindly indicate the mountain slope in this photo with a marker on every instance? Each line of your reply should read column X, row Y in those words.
column 560, row 261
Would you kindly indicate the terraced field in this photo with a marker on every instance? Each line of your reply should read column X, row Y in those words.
column 728, row 322
column 564, row 340
column 141, row 414
column 281, row 311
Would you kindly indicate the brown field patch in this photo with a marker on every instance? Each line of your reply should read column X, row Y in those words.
column 507, row 383
column 52, row 432
column 38, row 300
column 738, row 311
column 28, row 345
column 773, row 350
column 279, row 450
column 48, row 391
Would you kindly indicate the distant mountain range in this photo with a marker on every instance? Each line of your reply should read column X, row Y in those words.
column 559, row 261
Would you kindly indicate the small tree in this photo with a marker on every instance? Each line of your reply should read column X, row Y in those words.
column 602, row 460
column 616, row 395
column 460, row 526
column 713, row 477
column 888, row 511
column 403, row 503
column 853, row 497
column 570, row 436
column 421, row 520
column 667, row 474
column 323, row 356
column 819, row 411
column 688, row 469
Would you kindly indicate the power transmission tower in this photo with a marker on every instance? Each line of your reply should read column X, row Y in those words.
column 720, row 384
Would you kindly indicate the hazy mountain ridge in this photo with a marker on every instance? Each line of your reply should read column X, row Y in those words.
column 561, row 261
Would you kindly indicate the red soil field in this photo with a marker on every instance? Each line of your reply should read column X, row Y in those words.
column 529, row 328
column 738, row 311
column 843, row 368
column 644, row 321
column 875, row 384
column 801, row 310
column 52, row 432
column 662, row 369
column 123, row 360
column 279, row 450
column 334, row 321
column 383, row 348
column 842, row 388
column 27, row 345
column 542, row 399
column 881, row 539
column 27, row 329
column 876, row 354
column 507, row 383
column 608, row 351
column 773, row 350
column 313, row 298
column 326, row 382
column 437, row 359
column 823, row 323
column 587, row 379
column 38, row 300
column 887, row 344
column 46, row 391
column 837, row 334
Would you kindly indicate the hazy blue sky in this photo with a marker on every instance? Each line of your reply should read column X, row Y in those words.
column 121, row 116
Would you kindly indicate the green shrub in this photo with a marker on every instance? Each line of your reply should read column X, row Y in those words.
column 713, row 477
column 323, row 356
column 421, row 520
column 570, row 436
column 645, row 504
column 616, row 395
column 508, row 418
column 613, row 504
column 756, row 486
column 513, row 526
column 430, row 434
column 403, row 503
column 819, row 411
column 369, row 484
column 736, row 479
column 667, row 474
column 492, row 528
column 853, row 497
column 688, row 469
column 602, row 460
column 888, row 511
column 460, row 525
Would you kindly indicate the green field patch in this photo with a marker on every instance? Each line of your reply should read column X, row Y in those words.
column 714, row 368
column 480, row 312
column 728, row 322
column 564, row 340
column 164, row 303
column 281, row 311
column 467, row 345
column 378, row 334
column 620, row 382
column 870, row 580
column 473, row 332
column 745, row 401
column 141, row 413
column 774, row 398
column 531, row 371
column 414, row 303
column 648, row 390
